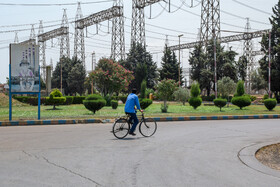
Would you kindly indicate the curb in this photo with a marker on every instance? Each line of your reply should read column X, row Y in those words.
column 187, row 118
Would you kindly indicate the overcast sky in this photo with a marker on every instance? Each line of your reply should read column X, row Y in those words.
column 182, row 19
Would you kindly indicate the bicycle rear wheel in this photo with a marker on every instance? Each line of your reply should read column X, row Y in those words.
column 148, row 127
column 121, row 128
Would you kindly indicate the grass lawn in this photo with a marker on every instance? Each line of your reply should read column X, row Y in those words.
column 80, row 112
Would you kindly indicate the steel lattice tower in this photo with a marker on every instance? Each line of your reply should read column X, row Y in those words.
column 248, row 48
column 42, row 54
column 79, row 45
column 137, row 24
column 32, row 35
column 64, row 39
column 210, row 20
column 118, row 44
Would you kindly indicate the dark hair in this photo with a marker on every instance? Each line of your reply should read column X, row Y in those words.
column 134, row 90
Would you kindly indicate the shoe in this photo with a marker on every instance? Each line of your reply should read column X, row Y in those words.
column 132, row 133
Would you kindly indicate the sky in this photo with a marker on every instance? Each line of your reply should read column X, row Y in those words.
column 183, row 18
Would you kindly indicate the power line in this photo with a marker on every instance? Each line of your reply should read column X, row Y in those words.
column 259, row 10
column 59, row 4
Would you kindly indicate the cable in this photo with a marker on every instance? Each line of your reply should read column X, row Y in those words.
column 159, row 13
column 60, row 4
column 259, row 10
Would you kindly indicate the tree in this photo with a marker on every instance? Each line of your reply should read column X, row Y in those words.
column 195, row 100
column 182, row 95
column 140, row 62
column 241, row 68
column 240, row 90
column 275, row 52
column 226, row 86
column 110, row 77
column 202, row 65
column 73, row 75
column 76, row 77
column 258, row 81
column 170, row 66
column 165, row 89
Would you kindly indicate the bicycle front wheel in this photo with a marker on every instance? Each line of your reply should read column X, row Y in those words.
column 121, row 128
column 148, row 127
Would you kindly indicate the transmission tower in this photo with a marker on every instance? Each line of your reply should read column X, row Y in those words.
column 118, row 44
column 16, row 37
column 137, row 24
column 210, row 21
column 64, row 39
column 32, row 35
column 248, row 49
column 79, row 44
column 42, row 54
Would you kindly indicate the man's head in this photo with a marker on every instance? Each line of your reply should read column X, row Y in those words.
column 133, row 90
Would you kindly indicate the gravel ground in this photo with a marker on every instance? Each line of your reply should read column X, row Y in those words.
column 270, row 156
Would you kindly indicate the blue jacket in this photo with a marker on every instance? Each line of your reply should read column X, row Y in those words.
column 131, row 101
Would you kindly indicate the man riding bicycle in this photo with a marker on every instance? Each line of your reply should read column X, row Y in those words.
column 132, row 101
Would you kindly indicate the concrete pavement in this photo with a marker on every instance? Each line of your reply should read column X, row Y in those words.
column 186, row 153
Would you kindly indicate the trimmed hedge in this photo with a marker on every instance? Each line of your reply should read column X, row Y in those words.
column 145, row 103
column 114, row 104
column 220, row 103
column 69, row 100
column 208, row 98
column 94, row 102
column 270, row 104
column 123, row 98
column 56, row 98
column 195, row 102
column 241, row 101
column 78, row 99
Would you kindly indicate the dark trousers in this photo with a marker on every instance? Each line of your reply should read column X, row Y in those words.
column 135, row 120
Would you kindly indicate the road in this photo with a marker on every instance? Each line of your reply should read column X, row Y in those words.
column 187, row 153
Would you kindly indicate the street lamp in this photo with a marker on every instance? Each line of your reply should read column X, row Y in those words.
column 179, row 59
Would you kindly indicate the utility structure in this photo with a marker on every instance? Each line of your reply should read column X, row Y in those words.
column 138, row 21
column 16, row 37
column 248, row 48
column 225, row 39
column 32, row 38
column 80, row 24
column 118, row 43
column 79, row 43
column 64, row 39
column 42, row 54
column 210, row 21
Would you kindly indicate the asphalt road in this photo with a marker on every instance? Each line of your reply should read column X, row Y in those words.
column 190, row 153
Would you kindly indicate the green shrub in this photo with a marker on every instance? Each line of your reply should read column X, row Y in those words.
column 240, row 90
column 94, row 102
column 265, row 97
column 182, row 95
column 208, row 98
column 270, row 104
column 114, row 104
column 220, row 103
column 69, row 100
column 56, row 98
column 123, row 98
column 145, row 103
column 195, row 90
column 108, row 100
column 143, row 89
column 195, row 102
column 241, row 101
column 78, row 99
column 115, row 98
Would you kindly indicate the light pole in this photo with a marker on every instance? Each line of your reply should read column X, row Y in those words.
column 179, row 60
column 93, row 63
column 215, row 63
column 269, row 66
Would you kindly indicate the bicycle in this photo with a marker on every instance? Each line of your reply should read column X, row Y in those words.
column 121, row 127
